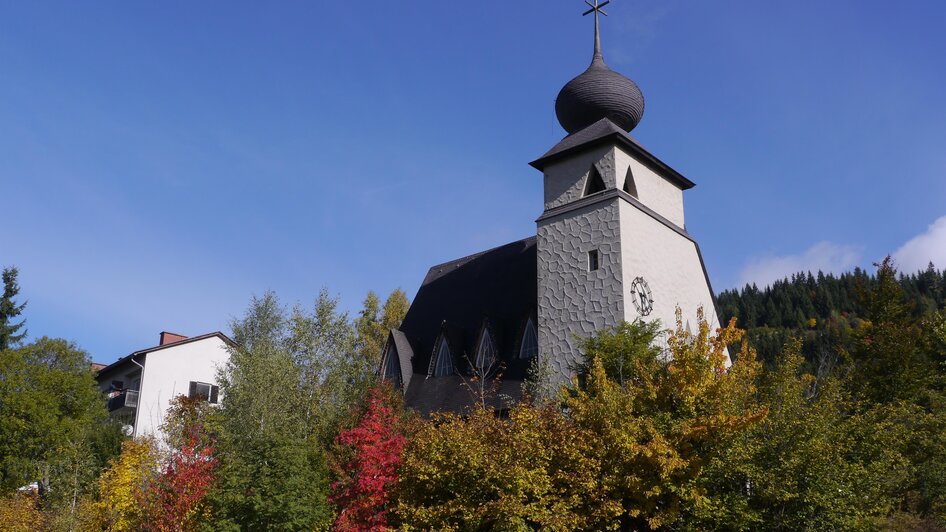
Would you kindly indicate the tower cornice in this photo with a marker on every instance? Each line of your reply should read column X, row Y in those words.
column 604, row 132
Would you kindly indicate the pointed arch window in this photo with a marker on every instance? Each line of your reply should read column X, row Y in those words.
column 443, row 359
column 485, row 352
column 392, row 366
column 629, row 185
column 594, row 183
column 529, row 347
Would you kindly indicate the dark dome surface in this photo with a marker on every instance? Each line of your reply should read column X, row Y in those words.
column 597, row 93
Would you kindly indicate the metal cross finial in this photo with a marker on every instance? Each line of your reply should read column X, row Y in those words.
column 597, row 8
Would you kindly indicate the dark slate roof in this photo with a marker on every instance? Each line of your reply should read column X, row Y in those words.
column 456, row 394
column 498, row 285
column 602, row 132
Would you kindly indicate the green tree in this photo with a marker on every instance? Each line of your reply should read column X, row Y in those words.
column 271, row 475
column 890, row 354
column 628, row 352
column 896, row 372
column 394, row 309
column 54, row 428
column 9, row 310
column 375, row 321
column 811, row 464
column 368, row 326
column 289, row 385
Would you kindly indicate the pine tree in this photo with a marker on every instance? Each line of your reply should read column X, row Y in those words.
column 9, row 309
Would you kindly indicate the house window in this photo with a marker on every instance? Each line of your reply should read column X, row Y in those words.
column 444, row 362
column 529, row 347
column 485, row 354
column 593, row 260
column 205, row 391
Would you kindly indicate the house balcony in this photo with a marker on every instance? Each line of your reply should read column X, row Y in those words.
column 124, row 401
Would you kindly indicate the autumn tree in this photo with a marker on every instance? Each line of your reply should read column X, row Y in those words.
column 369, row 455
column 655, row 432
column 534, row 470
column 176, row 499
column 125, row 487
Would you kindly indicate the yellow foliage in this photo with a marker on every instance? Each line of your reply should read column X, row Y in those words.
column 480, row 472
column 123, row 487
column 654, row 436
column 18, row 513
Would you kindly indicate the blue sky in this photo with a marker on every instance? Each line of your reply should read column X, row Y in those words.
column 162, row 162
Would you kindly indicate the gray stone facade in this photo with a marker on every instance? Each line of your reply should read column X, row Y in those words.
column 573, row 302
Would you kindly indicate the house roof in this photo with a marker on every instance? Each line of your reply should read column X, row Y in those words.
column 498, row 286
column 121, row 362
column 604, row 131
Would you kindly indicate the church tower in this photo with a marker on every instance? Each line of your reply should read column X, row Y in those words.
column 611, row 242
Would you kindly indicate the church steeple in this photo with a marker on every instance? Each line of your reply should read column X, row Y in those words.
column 599, row 92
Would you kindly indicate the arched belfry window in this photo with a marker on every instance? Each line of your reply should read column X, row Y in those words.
column 392, row 365
column 629, row 185
column 442, row 363
column 594, row 183
column 529, row 347
column 485, row 351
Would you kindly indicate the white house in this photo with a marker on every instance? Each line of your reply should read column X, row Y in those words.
column 141, row 385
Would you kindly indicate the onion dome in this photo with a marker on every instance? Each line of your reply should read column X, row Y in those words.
column 597, row 93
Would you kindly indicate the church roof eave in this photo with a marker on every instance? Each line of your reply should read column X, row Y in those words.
column 602, row 132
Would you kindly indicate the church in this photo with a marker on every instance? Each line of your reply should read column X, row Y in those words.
column 611, row 245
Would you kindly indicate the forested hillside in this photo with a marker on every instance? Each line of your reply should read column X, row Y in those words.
column 820, row 309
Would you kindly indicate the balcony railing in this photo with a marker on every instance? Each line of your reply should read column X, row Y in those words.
column 126, row 399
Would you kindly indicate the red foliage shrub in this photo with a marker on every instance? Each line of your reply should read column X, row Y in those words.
column 373, row 450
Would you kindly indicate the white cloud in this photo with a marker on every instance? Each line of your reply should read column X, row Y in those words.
column 920, row 250
column 823, row 256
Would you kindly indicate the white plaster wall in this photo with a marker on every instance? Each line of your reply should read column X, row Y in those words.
column 573, row 302
column 652, row 190
column 565, row 179
column 168, row 373
column 669, row 263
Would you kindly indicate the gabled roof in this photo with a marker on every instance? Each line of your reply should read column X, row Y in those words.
column 602, row 132
column 125, row 359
